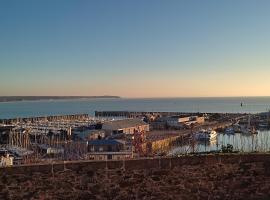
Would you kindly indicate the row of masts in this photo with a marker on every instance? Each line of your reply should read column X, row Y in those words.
column 29, row 147
column 19, row 139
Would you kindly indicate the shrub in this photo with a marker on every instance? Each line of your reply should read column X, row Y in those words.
column 227, row 149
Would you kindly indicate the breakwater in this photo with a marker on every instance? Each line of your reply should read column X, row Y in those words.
column 134, row 114
column 232, row 176
column 45, row 118
column 130, row 114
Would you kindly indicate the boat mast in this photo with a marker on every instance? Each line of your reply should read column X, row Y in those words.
column 249, row 121
column 268, row 118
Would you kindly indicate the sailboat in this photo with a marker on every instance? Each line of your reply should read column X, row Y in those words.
column 249, row 129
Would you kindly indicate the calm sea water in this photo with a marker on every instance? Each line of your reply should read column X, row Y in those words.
column 244, row 143
column 59, row 107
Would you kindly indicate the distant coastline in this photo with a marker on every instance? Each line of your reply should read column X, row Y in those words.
column 38, row 98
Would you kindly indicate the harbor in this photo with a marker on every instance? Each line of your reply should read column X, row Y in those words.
column 121, row 135
column 134, row 100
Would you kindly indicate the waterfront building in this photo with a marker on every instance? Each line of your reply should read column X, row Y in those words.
column 176, row 121
column 126, row 126
column 46, row 149
column 195, row 120
column 6, row 159
column 108, row 149
column 180, row 121
column 90, row 134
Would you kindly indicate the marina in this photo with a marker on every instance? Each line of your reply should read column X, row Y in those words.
column 137, row 134
column 134, row 100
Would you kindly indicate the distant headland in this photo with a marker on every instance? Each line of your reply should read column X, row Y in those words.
column 37, row 98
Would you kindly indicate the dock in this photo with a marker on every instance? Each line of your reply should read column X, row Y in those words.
column 162, row 140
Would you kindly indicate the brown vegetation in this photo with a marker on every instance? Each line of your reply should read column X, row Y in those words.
column 219, row 177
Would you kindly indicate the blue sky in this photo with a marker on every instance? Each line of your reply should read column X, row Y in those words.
column 153, row 48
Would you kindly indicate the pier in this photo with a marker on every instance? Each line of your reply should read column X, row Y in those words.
column 162, row 140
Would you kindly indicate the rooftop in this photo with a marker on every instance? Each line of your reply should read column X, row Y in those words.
column 125, row 123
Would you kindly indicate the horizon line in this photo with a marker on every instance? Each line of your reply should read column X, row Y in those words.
column 145, row 97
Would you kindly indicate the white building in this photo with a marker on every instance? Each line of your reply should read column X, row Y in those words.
column 6, row 161
column 178, row 122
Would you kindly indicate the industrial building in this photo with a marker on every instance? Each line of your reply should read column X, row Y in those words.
column 126, row 126
column 177, row 121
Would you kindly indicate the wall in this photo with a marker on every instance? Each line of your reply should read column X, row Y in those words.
column 188, row 177
column 161, row 145
column 114, row 156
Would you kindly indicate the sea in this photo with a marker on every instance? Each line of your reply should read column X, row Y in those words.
column 19, row 109
column 240, row 142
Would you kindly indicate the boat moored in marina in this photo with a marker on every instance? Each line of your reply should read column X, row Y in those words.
column 229, row 131
column 205, row 135
column 251, row 130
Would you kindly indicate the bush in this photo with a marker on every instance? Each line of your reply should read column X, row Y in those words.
column 227, row 149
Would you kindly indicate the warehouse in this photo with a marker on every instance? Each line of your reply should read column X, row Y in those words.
column 126, row 126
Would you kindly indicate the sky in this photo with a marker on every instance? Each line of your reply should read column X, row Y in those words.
column 135, row 48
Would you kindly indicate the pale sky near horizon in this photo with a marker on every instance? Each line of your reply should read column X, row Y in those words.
column 153, row 48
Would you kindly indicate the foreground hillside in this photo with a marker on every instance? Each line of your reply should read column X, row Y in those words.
column 204, row 177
